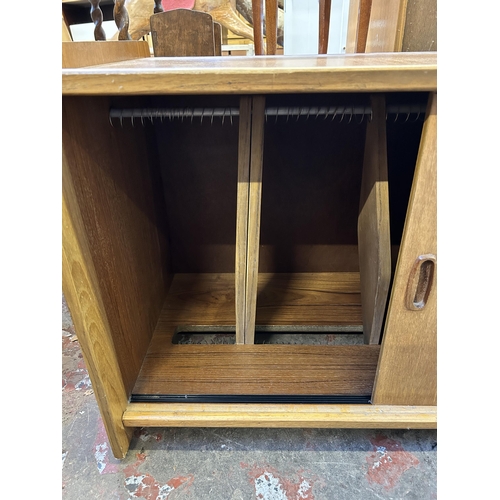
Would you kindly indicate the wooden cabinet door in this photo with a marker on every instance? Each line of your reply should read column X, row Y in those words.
column 406, row 373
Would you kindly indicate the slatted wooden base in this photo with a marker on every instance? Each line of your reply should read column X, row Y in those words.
column 257, row 369
column 249, row 369
column 309, row 299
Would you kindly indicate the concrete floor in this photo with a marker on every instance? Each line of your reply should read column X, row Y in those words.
column 234, row 464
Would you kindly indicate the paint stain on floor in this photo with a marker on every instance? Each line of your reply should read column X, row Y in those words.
column 106, row 463
column 143, row 485
column 146, row 436
column 388, row 462
column 75, row 377
column 269, row 484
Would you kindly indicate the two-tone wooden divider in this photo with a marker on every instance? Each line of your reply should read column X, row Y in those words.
column 373, row 223
column 250, row 154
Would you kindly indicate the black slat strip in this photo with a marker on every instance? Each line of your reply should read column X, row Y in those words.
column 253, row 398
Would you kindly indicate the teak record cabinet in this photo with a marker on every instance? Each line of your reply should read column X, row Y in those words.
column 246, row 195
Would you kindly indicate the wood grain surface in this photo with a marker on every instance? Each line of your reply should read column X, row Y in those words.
column 66, row 37
column 309, row 299
column 116, row 188
column 251, row 369
column 242, row 211
column 217, row 39
column 271, row 27
column 254, row 215
column 311, row 184
column 420, row 33
column 260, row 75
column 352, row 26
column 324, row 25
column 258, row 27
column 280, row 415
column 80, row 54
column 208, row 299
column 199, row 170
column 182, row 33
column 365, row 7
column 386, row 27
column 407, row 372
column 198, row 299
column 283, row 299
column 374, row 241
column 83, row 295
column 311, row 170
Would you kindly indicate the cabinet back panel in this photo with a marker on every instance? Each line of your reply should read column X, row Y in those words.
column 311, row 186
column 199, row 170
column 311, row 182
column 310, row 195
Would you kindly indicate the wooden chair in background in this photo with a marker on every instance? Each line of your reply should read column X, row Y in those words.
column 184, row 32
column 373, row 25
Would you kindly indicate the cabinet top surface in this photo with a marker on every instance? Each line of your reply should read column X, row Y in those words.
column 403, row 71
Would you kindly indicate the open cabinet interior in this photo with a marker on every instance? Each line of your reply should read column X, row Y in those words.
column 269, row 201
column 240, row 215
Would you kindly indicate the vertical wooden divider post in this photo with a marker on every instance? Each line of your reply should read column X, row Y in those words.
column 249, row 194
column 254, row 206
column 374, row 240
column 245, row 130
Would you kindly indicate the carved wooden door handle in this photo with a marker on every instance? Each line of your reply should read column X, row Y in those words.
column 420, row 282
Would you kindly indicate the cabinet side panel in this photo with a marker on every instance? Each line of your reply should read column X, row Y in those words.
column 117, row 195
column 406, row 371
column 82, row 293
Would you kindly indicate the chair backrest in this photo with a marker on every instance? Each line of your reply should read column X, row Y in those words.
column 184, row 33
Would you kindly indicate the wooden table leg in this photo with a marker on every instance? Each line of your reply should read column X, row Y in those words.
column 324, row 25
column 271, row 26
column 258, row 35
